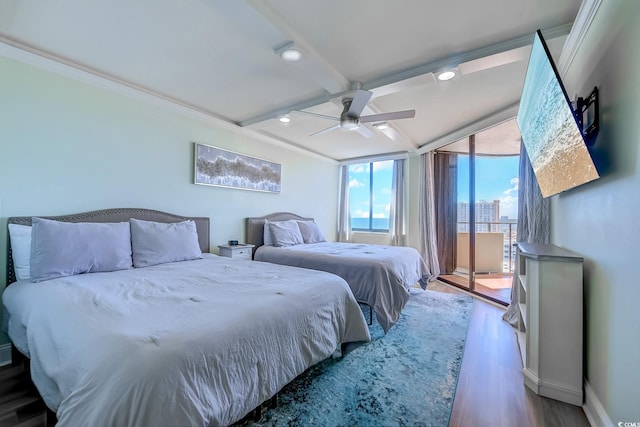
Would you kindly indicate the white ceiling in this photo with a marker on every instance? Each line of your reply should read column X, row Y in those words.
column 217, row 57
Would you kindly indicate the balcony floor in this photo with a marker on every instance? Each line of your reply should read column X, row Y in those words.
column 496, row 287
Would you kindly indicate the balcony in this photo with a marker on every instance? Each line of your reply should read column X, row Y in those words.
column 494, row 259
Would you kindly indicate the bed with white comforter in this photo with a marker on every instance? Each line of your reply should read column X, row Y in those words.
column 378, row 275
column 199, row 342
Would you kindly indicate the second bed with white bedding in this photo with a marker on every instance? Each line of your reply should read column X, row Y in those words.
column 379, row 276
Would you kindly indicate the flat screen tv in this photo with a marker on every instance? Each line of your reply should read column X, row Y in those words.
column 553, row 140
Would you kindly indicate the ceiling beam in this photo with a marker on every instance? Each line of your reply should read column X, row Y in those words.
column 312, row 63
column 413, row 72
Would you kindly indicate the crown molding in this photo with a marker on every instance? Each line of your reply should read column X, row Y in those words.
column 29, row 55
column 586, row 13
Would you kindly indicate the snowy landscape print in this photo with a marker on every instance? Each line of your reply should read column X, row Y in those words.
column 555, row 146
column 214, row 166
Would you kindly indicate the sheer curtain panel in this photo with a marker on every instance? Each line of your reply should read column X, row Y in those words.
column 533, row 222
column 427, row 216
column 396, row 210
column 344, row 216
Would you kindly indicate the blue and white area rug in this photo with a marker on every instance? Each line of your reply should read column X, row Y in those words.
column 407, row 377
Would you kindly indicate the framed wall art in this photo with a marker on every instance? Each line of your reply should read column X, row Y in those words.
column 223, row 168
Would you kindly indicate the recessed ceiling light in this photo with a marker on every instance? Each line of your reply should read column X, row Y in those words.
column 381, row 126
column 291, row 55
column 446, row 75
column 285, row 119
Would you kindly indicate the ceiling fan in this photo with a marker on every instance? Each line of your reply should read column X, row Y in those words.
column 350, row 119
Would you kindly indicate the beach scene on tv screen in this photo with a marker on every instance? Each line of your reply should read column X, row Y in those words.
column 553, row 141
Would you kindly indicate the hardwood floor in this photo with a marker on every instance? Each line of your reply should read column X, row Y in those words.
column 490, row 389
column 493, row 286
column 20, row 403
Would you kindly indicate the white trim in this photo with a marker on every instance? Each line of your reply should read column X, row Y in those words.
column 581, row 25
column 472, row 128
column 552, row 389
column 593, row 409
column 376, row 158
column 43, row 60
column 5, row 354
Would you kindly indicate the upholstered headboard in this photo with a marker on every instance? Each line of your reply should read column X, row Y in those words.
column 114, row 215
column 255, row 226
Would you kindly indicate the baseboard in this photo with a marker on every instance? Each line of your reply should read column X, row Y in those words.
column 562, row 392
column 5, row 354
column 593, row 409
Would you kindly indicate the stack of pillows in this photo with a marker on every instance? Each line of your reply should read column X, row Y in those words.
column 291, row 232
column 50, row 249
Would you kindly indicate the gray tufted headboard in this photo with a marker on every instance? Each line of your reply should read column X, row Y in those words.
column 254, row 227
column 114, row 215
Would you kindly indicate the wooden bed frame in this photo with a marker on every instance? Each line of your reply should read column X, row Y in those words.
column 105, row 215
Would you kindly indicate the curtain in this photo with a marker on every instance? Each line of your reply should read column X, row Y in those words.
column 445, row 170
column 533, row 222
column 344, row 216
column 396, row 210
column 427, row 216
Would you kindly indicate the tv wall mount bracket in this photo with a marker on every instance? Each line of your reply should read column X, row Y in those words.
column 587, row 113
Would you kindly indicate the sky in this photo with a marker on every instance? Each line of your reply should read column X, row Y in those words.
column 496, row 179
column 359, row 189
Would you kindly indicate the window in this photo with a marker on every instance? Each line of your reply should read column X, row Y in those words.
column 370, row 195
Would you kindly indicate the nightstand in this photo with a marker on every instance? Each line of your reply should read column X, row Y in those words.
column 236, row 251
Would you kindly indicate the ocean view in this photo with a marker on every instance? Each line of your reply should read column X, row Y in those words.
column 363, row 223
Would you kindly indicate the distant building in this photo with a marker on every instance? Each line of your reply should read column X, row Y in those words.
column 486, row 213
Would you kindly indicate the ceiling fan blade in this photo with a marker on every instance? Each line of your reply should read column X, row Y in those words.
column 360, row 100
column 322, row 116
column 326, row 130
column 365, row 131
column 406, row 114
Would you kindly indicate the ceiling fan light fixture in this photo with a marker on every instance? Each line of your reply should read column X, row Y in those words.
column 447, row 75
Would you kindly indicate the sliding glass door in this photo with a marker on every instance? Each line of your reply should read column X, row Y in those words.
column 486, row 210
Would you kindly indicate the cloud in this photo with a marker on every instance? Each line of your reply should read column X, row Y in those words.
column 354, row 183
column 380, row 215
column 387, row 164
column 360, row 214
column 359, row 168
column 509, row 206
column 514, row 183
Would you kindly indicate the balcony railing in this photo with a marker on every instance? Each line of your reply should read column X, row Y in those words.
column 509, row 231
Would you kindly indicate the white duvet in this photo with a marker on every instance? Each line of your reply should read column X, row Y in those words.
column 182, row 344
column 378, row 275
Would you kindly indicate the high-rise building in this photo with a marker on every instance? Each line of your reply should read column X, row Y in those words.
column 486, row 213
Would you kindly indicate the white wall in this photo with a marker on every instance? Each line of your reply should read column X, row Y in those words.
column 68, row 147
column 600, row 220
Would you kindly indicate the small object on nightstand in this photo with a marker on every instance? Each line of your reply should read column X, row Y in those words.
column 238, row 251
column 233, row 243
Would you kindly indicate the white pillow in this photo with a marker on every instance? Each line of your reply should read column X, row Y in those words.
column 20, row 236
column 159, row 242
column 285, row 233
column 266, row 234
column 310, row 232
column 61, row 249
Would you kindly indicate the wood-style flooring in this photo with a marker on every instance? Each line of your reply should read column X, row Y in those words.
column 490, row 389
column 493, row 286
